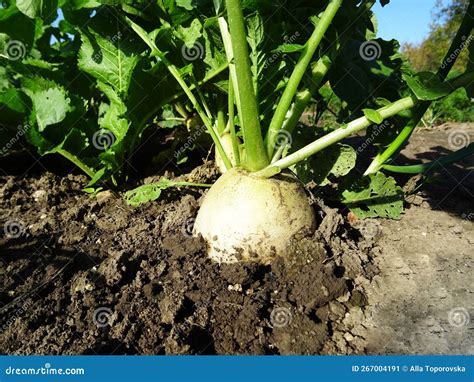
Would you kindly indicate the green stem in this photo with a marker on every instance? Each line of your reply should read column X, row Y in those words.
column 66, row 154
column 181, row 110
column 298, row 73
column 221, row 123
column 462, row 80
column 444, row 69
column 224, row 29
column 204, row 103
column 190, row 184
column 303, row 98
column 175, row 73
column 233, row 134
column 178, row 95
column 335, row 136
column 207, row 122
column 279, row 153
column 425, row 167
column 256, row 157
column 318, row 74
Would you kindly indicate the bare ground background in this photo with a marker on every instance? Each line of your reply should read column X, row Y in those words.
column 94, row 276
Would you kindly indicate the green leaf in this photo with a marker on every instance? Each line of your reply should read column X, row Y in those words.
column 17, row 34
column 31, row 8
column 80, row 4
column 152, row 191
column 255, row 39
column 375, row 195
column 337, row 160
column 189, row 35
column 427, row 86
column 50, row 101
column 186, row 4
column 373, row 116
column 289, row 48
column 74, row 143
column 147, row 192
column 114, row 114
column 38, row 8
column 98, row 176
column 109, row 58
column 14, row 100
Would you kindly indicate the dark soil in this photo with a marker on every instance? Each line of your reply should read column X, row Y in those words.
column 85, row 275
column 90, row 275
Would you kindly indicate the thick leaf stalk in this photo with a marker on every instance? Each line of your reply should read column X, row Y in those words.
column 256, row 157
column 425, row 167
column 335, row 136
column 293, row 83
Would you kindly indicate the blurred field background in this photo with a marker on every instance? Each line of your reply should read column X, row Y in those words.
column 446, row 16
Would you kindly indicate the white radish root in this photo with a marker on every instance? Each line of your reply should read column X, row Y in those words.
column 245, row 218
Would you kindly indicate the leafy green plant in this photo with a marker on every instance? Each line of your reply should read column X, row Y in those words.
column 152, row 191
column 457, row 107
column 80, row 79
column 246, row 70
